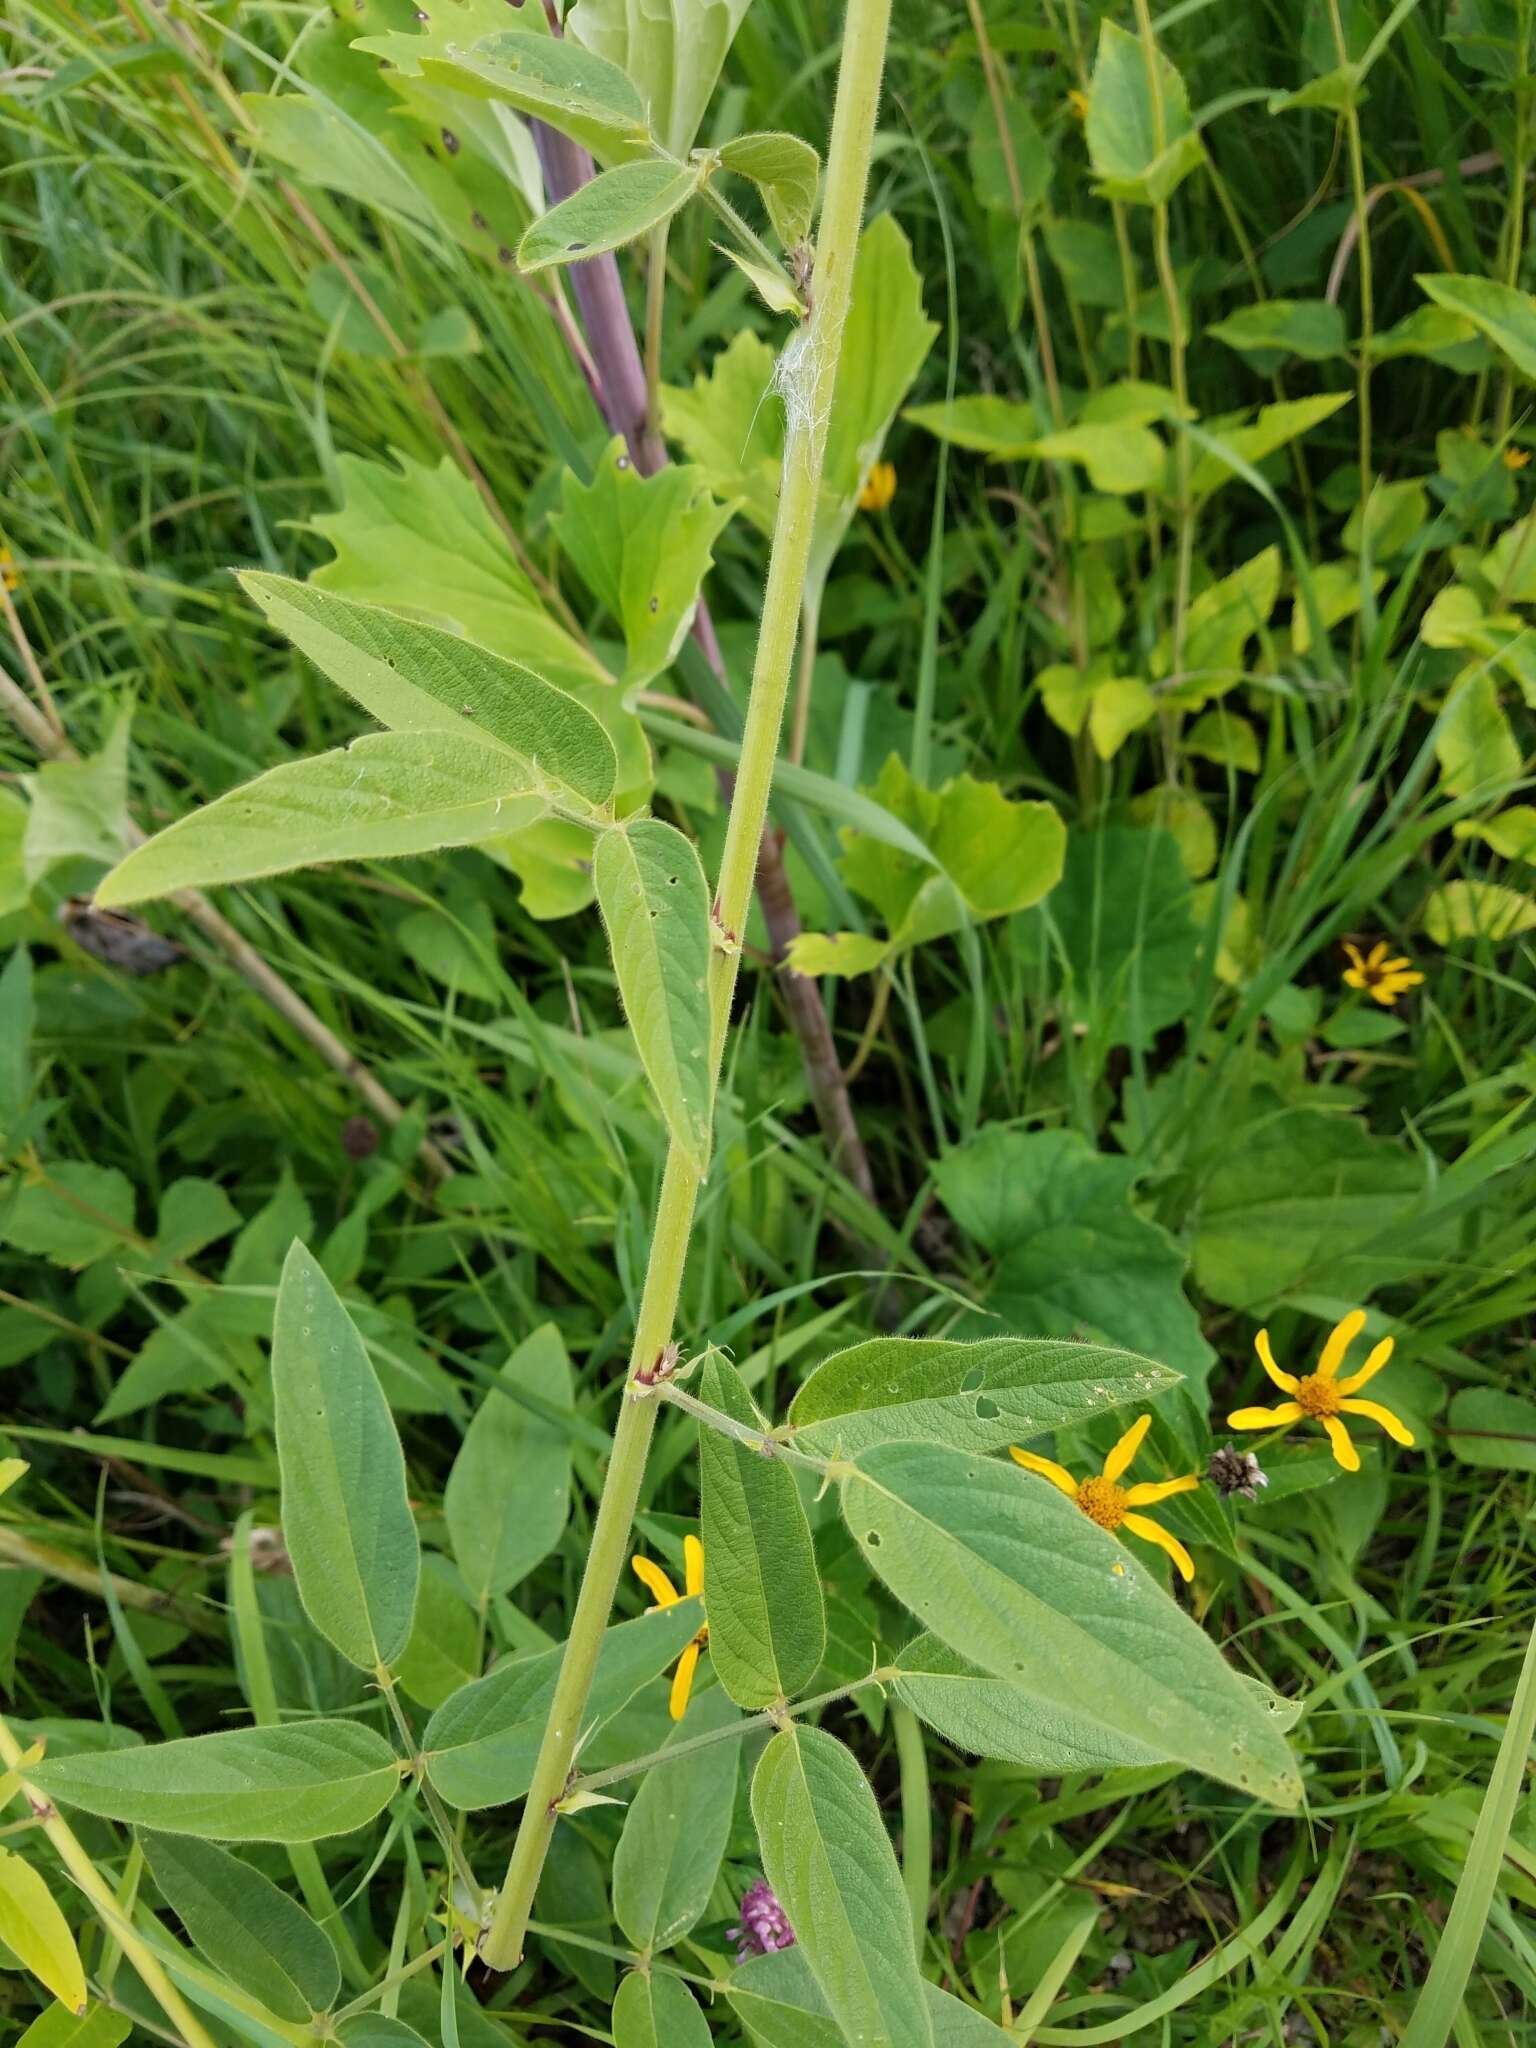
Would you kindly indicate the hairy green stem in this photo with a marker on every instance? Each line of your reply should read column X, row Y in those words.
column 808, row 376
column 769, row 1441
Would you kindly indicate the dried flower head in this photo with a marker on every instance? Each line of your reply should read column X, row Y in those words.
column 1232, row 1471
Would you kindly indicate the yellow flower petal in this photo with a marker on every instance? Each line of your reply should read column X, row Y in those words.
column 1357, row 959
column 1378, row 955
column 1340, row 1337
column 1265, row 1418
column 1344, row 1452
column 1373, row 1411
column 1396, row 966
column 655, row 1581
column 1121, row 1456
column 1149, row 1532
column 693, row 1564
column 1353, row 978
column 1287, row 1380
column 1047, row 1468
column 682, row 1682
column 1151, row 1491
column 1378, row 1357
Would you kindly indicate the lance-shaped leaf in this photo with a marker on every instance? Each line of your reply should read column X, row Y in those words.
column 421, row 679
column 977, row 1396
column 1007, row 1571
column 508, row 1494
column 616, row 207
column 786, row 171
column 672, row 51
column 35, row 1931
column 481, row 1743
column 675, row 1832
column 828, row 1858
column 549, row 77
column 346, row 1519
column 388, row 795
column 655, row 904
column 988, row 1716
column 777, row 2000
column 250, row 1931
column 767, row 1621
column 296, row 1783
column 657, row 2011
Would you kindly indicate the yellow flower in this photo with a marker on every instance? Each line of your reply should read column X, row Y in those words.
column 8, row 575
column 1104, row 1500
column 665, row 1594
column 1078, row 102
column 1323, row 1395
column 1381, row 977
column 1516, row 458
column 879, row 487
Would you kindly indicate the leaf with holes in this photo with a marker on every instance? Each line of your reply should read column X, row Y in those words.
column 616, row 207
column 655, row 904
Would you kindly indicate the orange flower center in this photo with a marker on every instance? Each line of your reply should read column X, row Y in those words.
column 1102, row 1502
column 1316, row 1396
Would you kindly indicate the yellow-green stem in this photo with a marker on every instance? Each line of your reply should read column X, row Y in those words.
column 808, row 374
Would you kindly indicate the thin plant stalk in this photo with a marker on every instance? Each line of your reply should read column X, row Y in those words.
column 1362, row 211
column 807, row 379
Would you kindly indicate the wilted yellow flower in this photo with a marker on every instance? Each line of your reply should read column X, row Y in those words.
column 8, row 575
column 1323, row 1396
column 879, row 487
column 1382, row 978
column 665, row 1594
column 1078, row 102
column 1516, row 458
column 1104, row 1500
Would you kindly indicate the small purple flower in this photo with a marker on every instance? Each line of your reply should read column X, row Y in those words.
column 763, row 1925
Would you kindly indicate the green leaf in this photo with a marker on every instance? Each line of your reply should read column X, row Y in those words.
column 653, row 2010
column 296, row 1783
column 444, row 1651
column 1011, row 1575
column 728, row 423
column 777, row 2000
column 251, row 1932
column 787, row 172
column 18, row 1014
column 58, row 2027
column 1443, row 337
column 1474, row 741
column 767, row 1623
column 655, row 905
column 1310, row 328
column 643, row 546
column 378, row 2030
column 675, row 1832
column 828, row 1858
column 480, row 1744
column 1224, row 737
column 615, row 207
column 508, row 1495
column 193, row 1215
column 672, row 51
column 420, row 678
column 1477, row 910
column 1011, row 177
column 1118, row 457
column 1275, row 427
column 346, row 1519
column 1491, row 1427
column 1141, row 141
column 388, row 795
column 79, row 809
column 975, row 1396
column 1505, row 315
column 77, row 1213
column 1124, row 933
column 1003, row 428
column 36, row 1933
column 990, row 1717
column 551, row 78
column 768, row 281
column 1220, row 623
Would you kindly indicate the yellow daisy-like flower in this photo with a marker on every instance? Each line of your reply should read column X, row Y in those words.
column 1323, row 1396
column 1078, row 102
column 665, row 1594
column 1516, row 458
column 1104, row 1500
column 8, row 574
column 879, row 487
column 1382, row 977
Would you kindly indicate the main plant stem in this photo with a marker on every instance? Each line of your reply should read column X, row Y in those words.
column 809, row 375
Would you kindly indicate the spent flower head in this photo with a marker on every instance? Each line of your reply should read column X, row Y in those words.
column 1104, row 1500
column 1232, row 1471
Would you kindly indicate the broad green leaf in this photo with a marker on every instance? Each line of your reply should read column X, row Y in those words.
column 296, row 1783
column 1445, row 338
column 1219, row 625
column 36, row 1932
column 508, row 1494
column 1310, row 328
column 672, row 51
column 1275, row 427
column 1125, row 942
column 732, row 427
column 421, row 541
column 655, row 905
column 616, row 207
column 420, row 678
column 675, row 1832
column 1477, row 910
column 79, row 809
column 1391, row 520
column 1224, row 737
column 551, row 78
column 480, row 1744
column 654, row 2010
column 975, row 1396
column 1012, row 1576
column 1185, row 819
column 1008, row 175
column 1141, row 141
column 444, row 1651
column 643, row 547
column 767, row 1626
column 388, row 795
column 72, row 1214
column 346, row 1519
column 1512, row 833
column 778, row 2002
column 1474, row 741
column 846, row 953
column 1119, row 458
column 1003, row 428
column 98, row 2027
column 786, row 171
column 829, row 1860
column 193, row 1215
column 378, row 2030
column 989, row 1717
column 315, row 138
column 1504, row 314
column 1489, row 1426
column 249, row 1930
